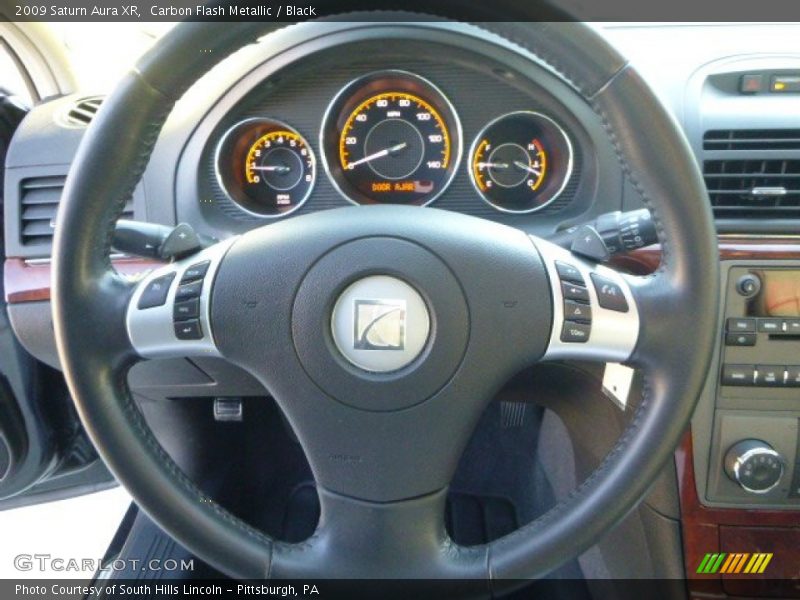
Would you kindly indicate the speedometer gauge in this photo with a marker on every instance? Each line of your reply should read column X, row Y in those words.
column 266, row 167
column 521, row 162
column 391, row 138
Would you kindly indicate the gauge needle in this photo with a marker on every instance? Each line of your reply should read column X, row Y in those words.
column 492, row 165
column 528, row 168
column 379, row 154
column 272, row 168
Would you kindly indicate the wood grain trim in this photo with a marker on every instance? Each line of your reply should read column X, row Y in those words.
column 646, row 260
column 701, row 525
column 30, row 282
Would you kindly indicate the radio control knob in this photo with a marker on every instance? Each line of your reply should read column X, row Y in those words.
column 748, row 285
column 754, row 465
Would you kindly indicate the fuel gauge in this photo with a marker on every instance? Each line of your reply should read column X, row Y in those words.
column 521, row 162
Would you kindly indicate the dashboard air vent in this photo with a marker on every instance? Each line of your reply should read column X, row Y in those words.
column 83, row 111
column 39, row 198
column 752, row 139
column 753, row 188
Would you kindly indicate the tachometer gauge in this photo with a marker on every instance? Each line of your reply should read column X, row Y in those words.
column 521, row 162
column 266, row 167
column 391, row 138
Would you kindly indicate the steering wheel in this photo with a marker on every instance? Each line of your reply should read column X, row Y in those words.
column 464, row 304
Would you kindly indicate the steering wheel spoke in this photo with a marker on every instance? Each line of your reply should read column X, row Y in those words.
column 389, row 541
column 595, row 312
column 169, row 312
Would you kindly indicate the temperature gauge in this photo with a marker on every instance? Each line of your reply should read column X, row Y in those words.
column 521, row 162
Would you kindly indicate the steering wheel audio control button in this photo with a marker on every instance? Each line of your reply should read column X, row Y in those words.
column 567, row 272
column 188, row 330
column 575, row 311
column 609, row 293
column 574, row 292
column 188, row 309
column 189, row 290
column 195, row 272
column 155, row 294
column 575, row 333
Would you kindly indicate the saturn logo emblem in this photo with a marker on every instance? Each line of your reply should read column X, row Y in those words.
column 379, row 324
column 380, row 312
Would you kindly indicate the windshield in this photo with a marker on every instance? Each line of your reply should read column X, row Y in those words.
column 101, row 55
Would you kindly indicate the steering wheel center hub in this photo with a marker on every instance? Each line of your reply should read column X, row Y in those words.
column 380, row 324
column 376, row 333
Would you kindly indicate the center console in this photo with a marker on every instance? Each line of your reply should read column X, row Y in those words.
column 754, row 458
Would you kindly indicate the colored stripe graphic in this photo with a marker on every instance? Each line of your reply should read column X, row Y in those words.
column 711, row 563
column 739, row 563
column 763, row 566
column 727, row 564
column 734, row 563
column 702, row 567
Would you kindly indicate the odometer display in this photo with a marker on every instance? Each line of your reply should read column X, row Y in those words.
column 391, row 138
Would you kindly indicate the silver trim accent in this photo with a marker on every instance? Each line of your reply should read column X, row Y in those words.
column 228, row 410
column 613, row 334
column 327, row 115
column 568, row 172
column 151, row 330
column 224, row 187
column 740, row 460
column 777, row 190
column 758, row 236
column 46, row 260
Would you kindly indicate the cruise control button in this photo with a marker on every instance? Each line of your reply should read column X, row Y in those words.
column 569, row 273
column 572, row 291
column 576, row 333
column 609, row 294
column 793, row 376
column 155, row 294
column 738, row 374
column 575, row 311
column 769, row 375
column 770, row 325
column 195, row 272
column 741, row 325
column 740, row 339
column 189, row 290
column 188, row 309
column 188, row 330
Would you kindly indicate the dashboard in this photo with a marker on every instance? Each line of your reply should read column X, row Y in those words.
column 392, row 137
column 427, row 120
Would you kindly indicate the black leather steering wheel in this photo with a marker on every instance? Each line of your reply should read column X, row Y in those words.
column 383, row 446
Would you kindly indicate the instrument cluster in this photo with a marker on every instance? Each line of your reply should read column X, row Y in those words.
column 392, row 137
